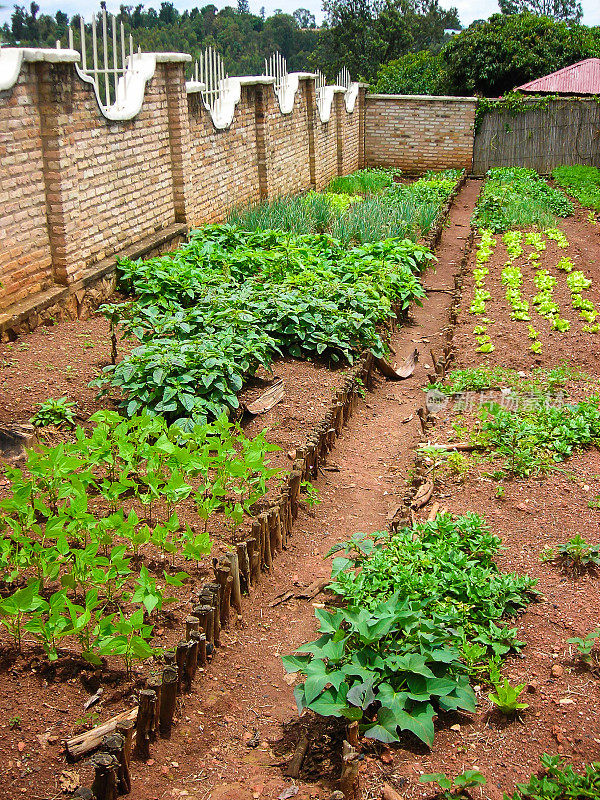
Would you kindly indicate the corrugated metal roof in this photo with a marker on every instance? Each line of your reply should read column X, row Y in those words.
column 580, row 78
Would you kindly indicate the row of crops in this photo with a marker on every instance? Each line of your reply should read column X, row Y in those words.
column 512, row 199
column 271, row 282
column 98, row 533
column 425, row 614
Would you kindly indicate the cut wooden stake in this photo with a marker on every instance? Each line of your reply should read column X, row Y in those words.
column 202, row 657
column 244, row 566
column 253, row 547
column 105, row 766
column 168, row 700
column 191, row 663
column 114, row 744
column 203, row 612
column 434, row 512
column 266, row 541
column 349, row 776
column 226, row 605
column 191, row 624
column 144, row 723
column 293, row 768
column 295, row 480
column 84, row 743
column 236, row 591
column 353, row 735
column 180, row 659
column 154, row 683
column 126, row 728
column 222, row 571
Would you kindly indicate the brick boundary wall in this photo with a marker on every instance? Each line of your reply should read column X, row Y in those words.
column 418, row 132
column 77, row 190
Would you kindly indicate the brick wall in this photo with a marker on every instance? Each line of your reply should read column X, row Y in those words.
column 417, row 133
column 120, row 186
column 25, row 258
column 224, row 169
column 77, row 189
column 287, row 145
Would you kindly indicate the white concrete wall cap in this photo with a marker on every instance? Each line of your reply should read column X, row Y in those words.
column 432, row 98
column 192, row 87
column 260, row 80
column 12, row 58
column 172, row 58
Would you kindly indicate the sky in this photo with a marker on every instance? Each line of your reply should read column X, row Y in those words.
column 468, row 10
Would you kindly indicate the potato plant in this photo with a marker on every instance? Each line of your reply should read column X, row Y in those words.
column 207, row 316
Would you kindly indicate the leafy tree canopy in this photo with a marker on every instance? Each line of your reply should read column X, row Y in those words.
column 363, row 34
column 493, row 57
column 243, row 39
column 566, row 10
column 413, row 73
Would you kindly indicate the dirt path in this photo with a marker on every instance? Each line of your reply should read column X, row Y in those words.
column 244, row 698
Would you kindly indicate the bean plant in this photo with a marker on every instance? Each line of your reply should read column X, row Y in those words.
column 228, row 302
column 76, row 514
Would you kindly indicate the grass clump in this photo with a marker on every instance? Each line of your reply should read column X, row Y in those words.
column 581, row 182
column 516, row 197
column 354, row 214
column 300, row 215
column 365, row 181
column 414, row 601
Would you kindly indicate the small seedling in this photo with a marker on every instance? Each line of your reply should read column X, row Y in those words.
column 458, row 464
column 577, row 555
column 14, row 723
column 455, row 787
column 547, row 554
column 54, row 412
column 506, row 698
column 585, row 648
column 500, row 492
column 311, row 495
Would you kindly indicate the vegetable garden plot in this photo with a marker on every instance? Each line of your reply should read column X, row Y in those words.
column 583, row 183
column 115, row 528
column 542, row 279
column 526, row 458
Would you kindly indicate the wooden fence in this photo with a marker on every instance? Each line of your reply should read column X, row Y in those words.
column 565, row 132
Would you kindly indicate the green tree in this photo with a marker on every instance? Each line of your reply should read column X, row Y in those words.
column 363, row 34
column 413, row 73
column 495, row 56
column 567, row 10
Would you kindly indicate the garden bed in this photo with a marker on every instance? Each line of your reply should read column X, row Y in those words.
column 59, row 361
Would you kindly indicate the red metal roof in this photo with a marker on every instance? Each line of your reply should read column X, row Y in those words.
column 580, row 78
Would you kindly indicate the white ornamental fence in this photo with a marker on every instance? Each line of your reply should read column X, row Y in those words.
column 118, row 75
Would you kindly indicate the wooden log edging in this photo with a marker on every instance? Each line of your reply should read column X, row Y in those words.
column 236, row 575
column 433, row 237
